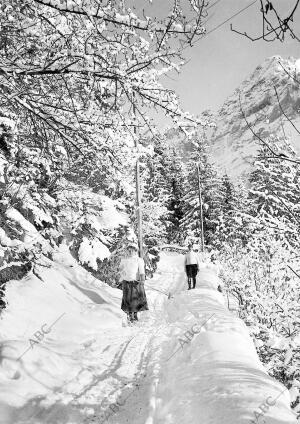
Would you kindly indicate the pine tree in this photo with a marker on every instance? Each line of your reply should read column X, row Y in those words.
column 231, row 228
column 211, row 194
column 155, row 199
column 163, row 182
column 176, row 179
column 275, row 194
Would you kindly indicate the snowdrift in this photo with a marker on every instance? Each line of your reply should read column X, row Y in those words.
column 210, row 372
column 45, row 330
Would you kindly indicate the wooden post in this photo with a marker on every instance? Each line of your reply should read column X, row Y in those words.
column 201, row 210
column 139, row 215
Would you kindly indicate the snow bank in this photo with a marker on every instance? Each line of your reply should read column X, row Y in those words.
column 210, row 372
column 45, row 331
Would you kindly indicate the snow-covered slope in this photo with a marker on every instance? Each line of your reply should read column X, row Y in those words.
column 88, row 368
column 233, row 144
column 45, row 330
column 210, row 371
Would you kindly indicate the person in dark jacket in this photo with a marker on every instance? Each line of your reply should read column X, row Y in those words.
column 132, row 276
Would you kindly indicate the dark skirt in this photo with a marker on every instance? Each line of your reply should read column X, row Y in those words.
column 191, row 270
column 134, row 297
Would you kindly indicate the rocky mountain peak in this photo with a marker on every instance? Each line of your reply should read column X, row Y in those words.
column 267, row 99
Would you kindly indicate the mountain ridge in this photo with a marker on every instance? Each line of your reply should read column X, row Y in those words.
column 233, row 144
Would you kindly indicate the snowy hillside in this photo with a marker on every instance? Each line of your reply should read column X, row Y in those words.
column 45, row 331
column 233, row 144
column 98, row 204
column 87, row 368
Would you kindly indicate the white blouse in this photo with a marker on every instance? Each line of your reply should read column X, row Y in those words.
column 131, row 268
column 191, row 259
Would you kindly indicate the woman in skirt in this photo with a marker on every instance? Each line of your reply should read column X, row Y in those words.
column 132, row 276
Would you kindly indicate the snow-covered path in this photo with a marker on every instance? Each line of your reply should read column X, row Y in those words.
column 204, row 367
column 189, row 360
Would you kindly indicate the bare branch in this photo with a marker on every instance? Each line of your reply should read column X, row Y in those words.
column 294, row 271
column 289, row 74
column 276, row 31
column 276, row 155
column 283, row 112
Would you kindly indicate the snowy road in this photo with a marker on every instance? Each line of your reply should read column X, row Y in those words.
column 138, row 404
column 210, row 375
column 187, row 361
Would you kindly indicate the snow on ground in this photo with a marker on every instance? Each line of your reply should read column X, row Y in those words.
column 64, row 353
column 213, row 374
column 67, row 358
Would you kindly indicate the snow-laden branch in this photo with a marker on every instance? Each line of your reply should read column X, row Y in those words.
column 129, row 20
column 40, row 72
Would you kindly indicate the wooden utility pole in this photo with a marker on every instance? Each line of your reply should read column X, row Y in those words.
column 139, row 215
column 201, row 210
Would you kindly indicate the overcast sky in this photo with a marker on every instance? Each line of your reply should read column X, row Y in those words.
column 223, row 59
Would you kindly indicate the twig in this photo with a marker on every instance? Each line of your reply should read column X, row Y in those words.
column 279, row 30
column 286, row 207
column 276, row 155
column 288, row 73
column 283, row 112
column 294, row 271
